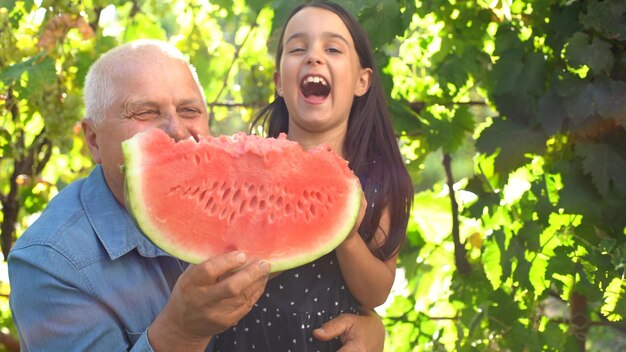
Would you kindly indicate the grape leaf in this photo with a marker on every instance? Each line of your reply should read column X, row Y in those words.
column 513, row 141
column 596, row 55
column 578, row 195
column 42, row 74
column 13, row 72
column 606, row 17
column 552, row 113
column 603, row 164
column 382, row 22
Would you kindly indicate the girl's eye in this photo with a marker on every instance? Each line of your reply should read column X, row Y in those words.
column 296, row 50
column 333, row 50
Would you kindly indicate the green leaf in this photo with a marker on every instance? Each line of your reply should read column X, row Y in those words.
column 382, row 22
column 564, row 22
column 447, row 129
column 404, row 118
column 578, row 195
column 504, row 309
column 607, row 18
column 530, row 234
column 609, row 99
column 40, row 75
column 491, row 262
column 583, row 98
column 603, row 164
column 143, row 26
column 506, row 256
column 14, row 72
column 513, row 141
column 552, row 113
column 507, row 71
column 537, row 274
column 561, row 263
column 7, row 4
column 256, row 5
column 596, row 55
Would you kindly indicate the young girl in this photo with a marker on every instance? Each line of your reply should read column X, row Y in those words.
column 328, row 91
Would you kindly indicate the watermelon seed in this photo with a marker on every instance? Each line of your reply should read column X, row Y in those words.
column 253, row 202
column 223, row 214
column 202, row 195
column 197, row 159
column 270, row 218
column 225, row 194
column 262, row 205
column 313, row 210
column 236, row 196
column 173, row 190
column 213, row 186
column 251, row 189
column 300, row 205
column 231, row 218
column 209, row 203
column 242, row 206
column 287, row 208
column 318, row 195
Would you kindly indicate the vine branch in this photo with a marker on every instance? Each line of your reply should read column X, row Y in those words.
column 236, row 56
column 460, row 253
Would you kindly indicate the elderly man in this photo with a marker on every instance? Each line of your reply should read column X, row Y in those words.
column 84, row 278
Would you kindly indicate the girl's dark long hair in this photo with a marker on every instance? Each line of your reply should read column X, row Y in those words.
column 370, row 147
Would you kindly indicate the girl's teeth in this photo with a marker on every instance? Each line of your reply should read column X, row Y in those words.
column 312, row 79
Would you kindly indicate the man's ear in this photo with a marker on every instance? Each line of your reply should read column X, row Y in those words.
column 364, row 82
column 90, row 138
column 277, row 84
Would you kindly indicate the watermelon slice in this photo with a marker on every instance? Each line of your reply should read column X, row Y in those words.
column 267, row 197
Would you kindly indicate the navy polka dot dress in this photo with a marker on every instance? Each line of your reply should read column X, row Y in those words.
column 293, row 304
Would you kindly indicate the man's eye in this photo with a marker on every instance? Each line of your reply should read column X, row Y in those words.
column 190, row 112
column 146, row 114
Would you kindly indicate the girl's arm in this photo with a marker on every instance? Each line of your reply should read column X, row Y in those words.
column 368, row 278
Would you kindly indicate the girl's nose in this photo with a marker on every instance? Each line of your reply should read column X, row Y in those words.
column 313, row 58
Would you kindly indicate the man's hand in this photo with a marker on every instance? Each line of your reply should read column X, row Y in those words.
column 207, row 299
column 358, row 333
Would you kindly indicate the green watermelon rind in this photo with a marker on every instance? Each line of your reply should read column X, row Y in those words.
column 131, row 149
column 132, row 186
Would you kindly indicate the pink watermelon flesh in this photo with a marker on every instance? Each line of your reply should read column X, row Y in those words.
column 264, row 196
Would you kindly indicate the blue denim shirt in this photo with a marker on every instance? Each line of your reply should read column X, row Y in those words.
column 84, row 278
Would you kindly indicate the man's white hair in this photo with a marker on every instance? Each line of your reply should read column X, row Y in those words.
column 99, row 91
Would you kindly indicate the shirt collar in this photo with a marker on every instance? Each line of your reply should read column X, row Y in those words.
column 113, row 225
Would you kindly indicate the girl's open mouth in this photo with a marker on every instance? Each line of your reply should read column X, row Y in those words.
column 314, row 88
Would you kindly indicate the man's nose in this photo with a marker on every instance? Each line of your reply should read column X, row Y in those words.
column 175, row 127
